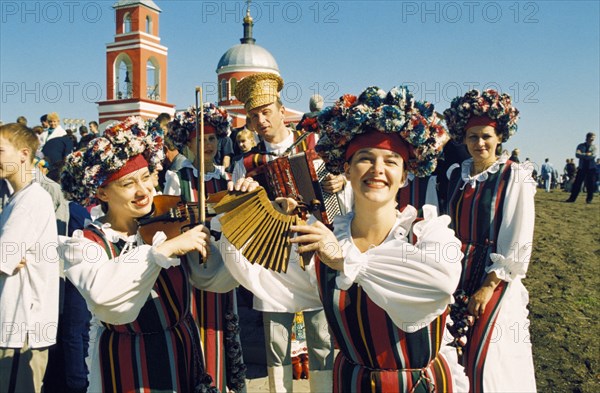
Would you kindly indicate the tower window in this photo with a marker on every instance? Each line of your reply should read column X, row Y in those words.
column 148, row 24
column 233, row 85
column 123, row 77
column 224, row 90
column 127, row 23
column 152, row 80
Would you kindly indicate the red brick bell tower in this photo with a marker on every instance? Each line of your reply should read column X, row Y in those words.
column 136, row 65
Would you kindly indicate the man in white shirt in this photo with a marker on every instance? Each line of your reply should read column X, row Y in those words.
column 280, row 295
column 29, row 268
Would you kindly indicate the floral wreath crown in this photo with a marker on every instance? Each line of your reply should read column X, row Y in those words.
column 394, row 112
column 87, row 169
column 489, row 103
column 183, row 125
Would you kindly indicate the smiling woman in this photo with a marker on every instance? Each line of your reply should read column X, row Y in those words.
column 385, row 298
column 491, row 203
column 141, row 294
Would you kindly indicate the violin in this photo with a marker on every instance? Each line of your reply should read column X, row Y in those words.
column 173, row 216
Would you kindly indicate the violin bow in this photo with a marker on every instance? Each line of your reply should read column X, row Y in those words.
column 200, row 153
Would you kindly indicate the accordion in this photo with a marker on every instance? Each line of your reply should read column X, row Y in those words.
column 298, row 176
column 260, row 232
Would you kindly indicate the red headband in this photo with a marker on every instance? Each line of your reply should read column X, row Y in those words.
column 134, row 163
column 209, row 129
column 379, row 140
column 475, row 121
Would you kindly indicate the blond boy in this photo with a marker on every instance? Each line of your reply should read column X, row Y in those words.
column 29, row 269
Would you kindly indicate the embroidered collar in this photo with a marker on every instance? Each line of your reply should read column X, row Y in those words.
column 217, row 173
column 483, row 176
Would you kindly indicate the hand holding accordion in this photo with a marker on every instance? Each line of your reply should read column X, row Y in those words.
column 258, row 230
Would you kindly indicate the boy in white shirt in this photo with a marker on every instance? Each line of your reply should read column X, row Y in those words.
column 29, row 268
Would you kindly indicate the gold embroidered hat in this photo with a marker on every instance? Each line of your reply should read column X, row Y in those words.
column 258, row 90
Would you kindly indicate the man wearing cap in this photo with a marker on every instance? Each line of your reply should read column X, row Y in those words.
column 279, row 296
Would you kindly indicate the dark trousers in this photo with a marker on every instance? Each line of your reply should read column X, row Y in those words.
column 75, row 337
column 67, row 371
column 589, row 176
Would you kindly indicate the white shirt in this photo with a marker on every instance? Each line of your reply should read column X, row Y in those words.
column 29, row 297
column 239, row 170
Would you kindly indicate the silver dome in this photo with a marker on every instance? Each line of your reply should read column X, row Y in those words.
column 247, row 56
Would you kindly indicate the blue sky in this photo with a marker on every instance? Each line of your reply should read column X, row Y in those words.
column 546, row 54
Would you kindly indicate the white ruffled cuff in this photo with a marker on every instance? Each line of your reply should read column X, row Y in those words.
column 505, row 268
column 158, row 258
column 354, row 264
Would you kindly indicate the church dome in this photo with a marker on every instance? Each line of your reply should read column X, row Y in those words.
column 247, row 57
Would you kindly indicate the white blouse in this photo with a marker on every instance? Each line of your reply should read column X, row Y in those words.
column 293, row 291
column 515, row 236
column 412, row 283
column 116, row 289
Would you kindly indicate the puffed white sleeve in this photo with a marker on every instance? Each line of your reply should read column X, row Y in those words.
column 289, row 292
column 412, row 283
column 172, row 185
column 212, row 275
column 115, row 289
column 515, row 236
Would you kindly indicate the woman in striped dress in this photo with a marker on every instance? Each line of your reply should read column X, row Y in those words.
column 385, row 298
column 144, row 336
column 215, row 313
column 491, row 203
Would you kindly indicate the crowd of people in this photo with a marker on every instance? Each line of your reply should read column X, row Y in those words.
column 417, row 281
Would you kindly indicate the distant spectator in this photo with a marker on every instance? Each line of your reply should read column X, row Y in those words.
column 547, row 174
column 86, row 137
column 22, row 120
column 39, row 130
column 233, row 136
column 245, row 140
column 174, row 161
column 44, row 121
column 71, row 135
column 58, row 145
column 598, row 174
column 586, row 152
column 93, row 128
column 569, row 171
column 163, row 119
column 514, row 157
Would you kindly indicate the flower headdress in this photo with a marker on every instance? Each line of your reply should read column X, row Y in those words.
column 87, row 169
column 489, row 103
column 394, row 112
column 183, row 126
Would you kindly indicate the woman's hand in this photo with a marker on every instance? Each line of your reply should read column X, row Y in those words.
column 333, row 183
column 482, row 296
column 317, row 237
column 479, row 300
column 195, row 239
column 246, row 184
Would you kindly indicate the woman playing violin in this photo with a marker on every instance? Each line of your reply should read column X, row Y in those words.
column 140, row 293
column 215, row 313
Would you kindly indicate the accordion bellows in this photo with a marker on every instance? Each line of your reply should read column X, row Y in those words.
column 260, row 232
